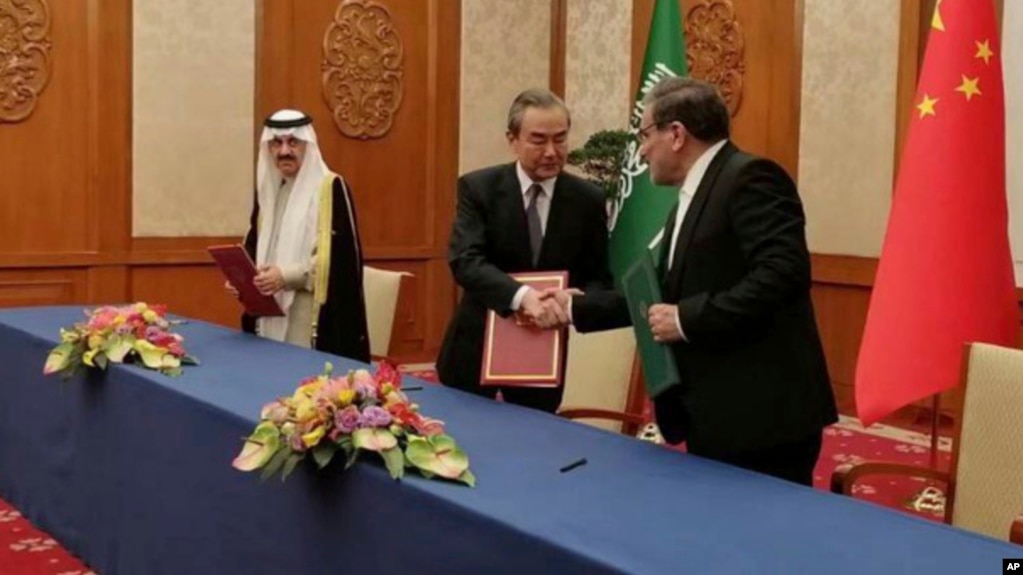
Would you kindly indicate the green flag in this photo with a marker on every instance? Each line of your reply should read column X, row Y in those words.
column 639, row 212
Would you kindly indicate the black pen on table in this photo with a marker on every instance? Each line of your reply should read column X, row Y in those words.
column 573, row 465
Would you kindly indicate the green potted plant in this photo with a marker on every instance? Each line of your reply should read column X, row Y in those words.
column 600, row 159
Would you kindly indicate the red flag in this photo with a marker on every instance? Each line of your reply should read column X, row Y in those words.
column 945, row 277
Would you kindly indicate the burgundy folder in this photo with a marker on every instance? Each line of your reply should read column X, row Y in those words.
column 238, row 268
column 520, row 355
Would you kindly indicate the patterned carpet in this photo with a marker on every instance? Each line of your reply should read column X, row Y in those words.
column 25, row 550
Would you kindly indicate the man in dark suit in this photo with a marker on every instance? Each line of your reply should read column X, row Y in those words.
column 735, row 276
column 523, row 216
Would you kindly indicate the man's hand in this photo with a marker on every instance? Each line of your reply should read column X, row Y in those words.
column 563, row 297
column 231, row 290
column 663, row 325
column 542, row 310
column 269, row 280
column 559, row 303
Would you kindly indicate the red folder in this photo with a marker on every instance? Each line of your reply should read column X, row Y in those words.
column 238, row 268
column 517, row 355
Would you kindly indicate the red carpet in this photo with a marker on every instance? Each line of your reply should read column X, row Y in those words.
column 24, row 550
column 848, row 442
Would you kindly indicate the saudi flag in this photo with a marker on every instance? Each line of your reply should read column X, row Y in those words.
column 638, row 215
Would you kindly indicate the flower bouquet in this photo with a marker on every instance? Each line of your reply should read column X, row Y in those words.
column 352, row 413
column 138, row 333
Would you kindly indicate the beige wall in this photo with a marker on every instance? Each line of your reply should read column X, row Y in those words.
column 847, row 132
column 505, row 49
column 597, row 64
column 192, row 159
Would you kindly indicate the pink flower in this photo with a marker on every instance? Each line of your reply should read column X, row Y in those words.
column 275, row 411
column 346, row 420
column 102, row 318
column 364, row 384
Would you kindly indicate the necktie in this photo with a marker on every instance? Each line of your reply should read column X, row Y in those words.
column 533, row 219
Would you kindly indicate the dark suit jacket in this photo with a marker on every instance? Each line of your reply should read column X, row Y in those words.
column 490, row 239
column 752, row 369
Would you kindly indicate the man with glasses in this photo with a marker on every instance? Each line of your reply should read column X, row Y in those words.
column 735, row 278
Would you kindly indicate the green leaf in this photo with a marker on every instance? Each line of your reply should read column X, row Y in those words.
column 276, row 462
column 101, row 360
column 395, row 462
column 601, row 158
column 172, row 371
column 467, row 478
column 152, row 356
column 59, row 358
column 259, row 448
column 372, row 439
column 190, row 360
column 290, row 463
column 438, row 454
column 117, row 347
column 351, row 456
column 323, row 453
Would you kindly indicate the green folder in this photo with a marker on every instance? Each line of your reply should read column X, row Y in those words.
column 642, row 289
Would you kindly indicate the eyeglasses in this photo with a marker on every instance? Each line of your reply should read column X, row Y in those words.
column 643, row 133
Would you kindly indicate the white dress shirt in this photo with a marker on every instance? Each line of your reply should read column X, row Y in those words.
column 543, row 206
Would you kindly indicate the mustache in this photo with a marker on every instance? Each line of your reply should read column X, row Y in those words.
column 286, row 157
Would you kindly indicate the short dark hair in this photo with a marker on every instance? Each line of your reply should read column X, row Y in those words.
column 533, row 98
column 695, row 104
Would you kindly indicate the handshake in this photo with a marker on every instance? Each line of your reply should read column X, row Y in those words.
column 547, row 309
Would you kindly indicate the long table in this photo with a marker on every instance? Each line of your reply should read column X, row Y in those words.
column 131, row 471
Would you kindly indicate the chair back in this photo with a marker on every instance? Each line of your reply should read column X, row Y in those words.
column 381, row 289
column 598, row 371
column 988, row 460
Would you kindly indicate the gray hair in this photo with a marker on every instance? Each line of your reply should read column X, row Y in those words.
column 533, row 98
column 695, row 104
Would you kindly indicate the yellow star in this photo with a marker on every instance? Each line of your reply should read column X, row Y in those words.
column 969, row 87
column 984, row 51
column 936, row 21
column 926, row 107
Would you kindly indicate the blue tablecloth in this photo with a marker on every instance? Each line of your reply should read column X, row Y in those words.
column 131, row 470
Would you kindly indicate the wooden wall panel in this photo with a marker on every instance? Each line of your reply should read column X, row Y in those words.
column 767, row 122
column 191, row 290
column 42, row 287
column 41, row 207
column 402, row 182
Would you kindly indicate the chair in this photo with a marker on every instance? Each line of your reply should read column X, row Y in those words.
column 985, row 482
column 381, row 289
column 598, row 367
column 598, row 373
column 647, row 430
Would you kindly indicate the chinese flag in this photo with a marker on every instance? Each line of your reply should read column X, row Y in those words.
column 945, row 277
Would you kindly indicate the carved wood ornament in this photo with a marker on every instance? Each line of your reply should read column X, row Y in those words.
column 24, row 56
column 716, row 48
column 362, row 69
